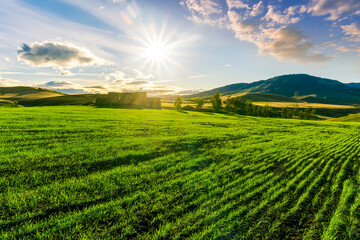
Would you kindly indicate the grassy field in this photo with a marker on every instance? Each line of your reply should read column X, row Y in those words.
column 89, row 173
column 349, row 118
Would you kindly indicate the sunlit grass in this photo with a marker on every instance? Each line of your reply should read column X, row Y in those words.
column 85, row 172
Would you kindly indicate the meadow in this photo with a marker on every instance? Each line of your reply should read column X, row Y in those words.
column 80, row 172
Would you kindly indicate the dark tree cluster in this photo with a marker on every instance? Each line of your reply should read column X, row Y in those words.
column 237, row 105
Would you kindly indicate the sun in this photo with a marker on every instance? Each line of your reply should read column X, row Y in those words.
column 156, row 51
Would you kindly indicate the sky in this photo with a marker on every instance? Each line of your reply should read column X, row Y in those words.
column 174, row 46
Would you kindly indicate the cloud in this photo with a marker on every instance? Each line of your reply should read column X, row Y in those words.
column 66, row 73
column 228, row 65
column 198, row 76
column 119, row 76
column 58, row 85
column 119, row 1
column 138, row 83
column 353, row 30
column 205, row 11
column 257, row 9
column 335, row 8
column 57, row 55
column 276, row 17
column 5, row 82
column 236, row 4
column 349, row 49
column 272, row 34
column 289, row 44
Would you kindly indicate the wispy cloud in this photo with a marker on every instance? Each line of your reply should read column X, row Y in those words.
column 198, row 76
column 335, row 8
column 353, row 30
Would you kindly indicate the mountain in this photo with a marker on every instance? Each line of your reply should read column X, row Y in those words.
column 298, row 86
column 353, row 85
column 25, row 93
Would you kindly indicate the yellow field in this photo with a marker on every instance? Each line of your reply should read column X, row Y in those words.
column 303, row 105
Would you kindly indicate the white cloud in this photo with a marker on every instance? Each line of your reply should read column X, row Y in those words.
column 205, row 11
column 257, row 9
column 57, row 55
column 198, row 76
column 119, row 1
column 335, row 8
column 5, row 82
column 121, row 77
column 236, row 4
column 289, row 44
column 228, row 65
column 276, row 17
column 272, row 36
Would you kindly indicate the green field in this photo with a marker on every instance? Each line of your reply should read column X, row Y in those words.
column 89, row 173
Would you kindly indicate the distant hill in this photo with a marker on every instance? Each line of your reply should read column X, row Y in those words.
column 298, row 86
column 80, row 99
column 26, row 93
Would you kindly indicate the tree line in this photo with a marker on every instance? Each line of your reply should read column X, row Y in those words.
column 239, row 106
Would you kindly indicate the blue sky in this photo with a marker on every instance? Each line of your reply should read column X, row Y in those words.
column 174, row 46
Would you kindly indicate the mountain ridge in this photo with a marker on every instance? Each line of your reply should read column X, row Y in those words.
column 298, row 86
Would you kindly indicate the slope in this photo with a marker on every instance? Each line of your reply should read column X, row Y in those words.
column 25, row 93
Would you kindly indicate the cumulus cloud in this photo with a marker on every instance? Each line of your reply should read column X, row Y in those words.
column 271, row 33
column 335, row 8
column 289, row 44
column 121, row 77
column 57, row 55
column 353, row 30
column 276, row 17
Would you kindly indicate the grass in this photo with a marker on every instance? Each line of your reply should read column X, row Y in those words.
column 349, row 118
column 90, row 173
column 7, row 104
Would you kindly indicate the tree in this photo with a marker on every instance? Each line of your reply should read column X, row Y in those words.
column 216, row 102
column 313, row 113
column 178, row 103
column 199, row 103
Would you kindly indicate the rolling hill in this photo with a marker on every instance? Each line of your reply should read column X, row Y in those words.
column 7, row 104
column 80, row 99
column 26, row 93
column 298, row 86
column 349, row 118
